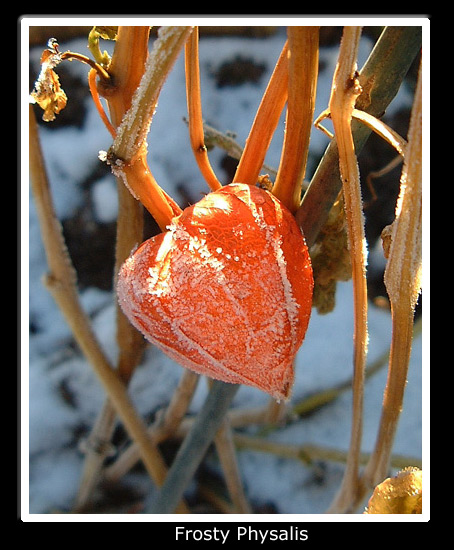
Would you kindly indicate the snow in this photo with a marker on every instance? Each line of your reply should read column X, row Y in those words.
column 57, row 369
column 105, row 200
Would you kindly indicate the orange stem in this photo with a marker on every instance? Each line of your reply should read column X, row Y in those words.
column 303, row 70
column 95, row 96
column 195, row 110
column 140, row 181
column 126, row 69
column 265, row 123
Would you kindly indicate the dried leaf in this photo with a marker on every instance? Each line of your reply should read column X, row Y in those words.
column 108, row 33
column 48, row 93
column 330, row 259
column 401, row 494
column 97, row 32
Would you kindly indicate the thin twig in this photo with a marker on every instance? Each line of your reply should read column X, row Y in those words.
column 165, row 425
column 129, row 234
column 308, row 453
column 321, row 398
column 379, row 127
column 226, row 451
column 380, row 173
column 84, row 59
column 61, row 283
column 96, row 448
column 95, row 96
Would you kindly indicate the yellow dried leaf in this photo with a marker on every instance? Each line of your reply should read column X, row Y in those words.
column 108, row 33
column 401, row 494
column 97, row 32
column 48, row 93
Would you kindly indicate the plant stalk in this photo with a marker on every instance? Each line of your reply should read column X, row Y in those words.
column 61, row 283
column 129, row 234
column 132, row 102
column 195, row 120
column 265, row 123
column 302, row 84
column 403, row 283
column 194, row 447
column 380, row 79
column 345, row 90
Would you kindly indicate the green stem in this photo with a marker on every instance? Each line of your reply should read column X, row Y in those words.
column 380, row 78
column 194, row 447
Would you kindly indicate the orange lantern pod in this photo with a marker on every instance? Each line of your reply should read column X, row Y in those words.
column 227, row 290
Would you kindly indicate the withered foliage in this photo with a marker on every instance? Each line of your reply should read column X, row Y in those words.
column 401, row 494
column 48, row 93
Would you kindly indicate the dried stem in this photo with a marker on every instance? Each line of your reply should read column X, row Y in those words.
column 265, row 123
column 379, row 127
column 302, row 83
column 308, row 453
column 380, row 79
column 193, row 95
column 129, row 234
column 130, row 348
column 61, row 283
column 403, row 283
column 233, row 149
column 97, row 447
column 343, row 96
column 225, row 447
column 165, row 425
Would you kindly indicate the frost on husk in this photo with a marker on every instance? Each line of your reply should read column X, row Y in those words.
column 227, row 290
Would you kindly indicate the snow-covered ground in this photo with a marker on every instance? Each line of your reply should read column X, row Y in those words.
column 56, row 366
